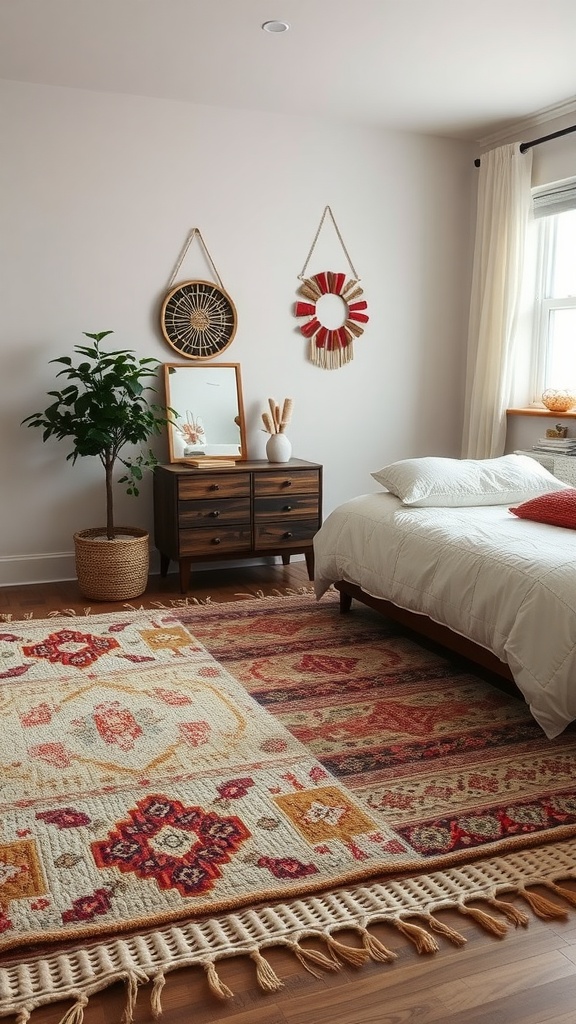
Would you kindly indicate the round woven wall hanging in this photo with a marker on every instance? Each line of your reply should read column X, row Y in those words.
column 331, row 347
column 198, row 318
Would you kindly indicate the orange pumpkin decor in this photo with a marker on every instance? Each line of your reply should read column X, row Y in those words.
column 331, row 347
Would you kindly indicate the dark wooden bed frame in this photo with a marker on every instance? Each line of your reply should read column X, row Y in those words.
column 425, row 627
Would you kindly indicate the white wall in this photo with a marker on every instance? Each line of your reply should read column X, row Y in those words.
column 556, row 159
column 97, row 195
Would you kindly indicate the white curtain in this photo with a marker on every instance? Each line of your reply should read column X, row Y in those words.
column 503, row 213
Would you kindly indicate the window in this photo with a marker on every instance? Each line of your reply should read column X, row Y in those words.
column 554, row 330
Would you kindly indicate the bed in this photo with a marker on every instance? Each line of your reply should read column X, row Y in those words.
column 495, row 586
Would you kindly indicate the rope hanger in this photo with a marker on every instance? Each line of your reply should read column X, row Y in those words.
column 328, row 211
column 191, row 236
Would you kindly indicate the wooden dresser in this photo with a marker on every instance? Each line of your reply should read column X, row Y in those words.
column 253, row 509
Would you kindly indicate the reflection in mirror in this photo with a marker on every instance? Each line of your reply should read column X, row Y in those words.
column 208, row 411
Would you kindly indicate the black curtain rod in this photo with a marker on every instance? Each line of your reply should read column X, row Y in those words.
column 537, row 142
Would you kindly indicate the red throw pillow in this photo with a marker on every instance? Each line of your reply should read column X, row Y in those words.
column 557, row 508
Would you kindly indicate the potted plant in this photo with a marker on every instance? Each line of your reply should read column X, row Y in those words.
column 103, row 409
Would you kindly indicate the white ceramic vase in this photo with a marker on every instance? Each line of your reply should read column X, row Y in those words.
column 278, row 448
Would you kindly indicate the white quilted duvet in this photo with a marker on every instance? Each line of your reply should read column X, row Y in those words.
column 506, row 583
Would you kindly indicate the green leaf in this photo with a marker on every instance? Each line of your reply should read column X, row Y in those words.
column 104, row 407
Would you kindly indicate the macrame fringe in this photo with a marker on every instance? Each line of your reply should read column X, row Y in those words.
column 514, row 914
column 541, row 906
column 176, row 602
column 443, row 929
column 352, row 955
column 566, row 894
column 376, row 950
column 311, row 958
column 155, row 996
column 489, row 923
column 424, row 942
column 131, row 997
column 75, row 1015
column 23, row 987
column 266, row 976
column 217, row 987
column 331, row 359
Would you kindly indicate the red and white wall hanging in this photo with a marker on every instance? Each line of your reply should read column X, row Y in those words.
column 331, row 347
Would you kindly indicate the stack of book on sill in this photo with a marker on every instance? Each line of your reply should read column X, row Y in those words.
column 555, row 446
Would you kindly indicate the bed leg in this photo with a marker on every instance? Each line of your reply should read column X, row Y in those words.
column 345, row 602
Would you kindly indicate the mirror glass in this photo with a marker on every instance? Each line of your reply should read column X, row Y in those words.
column 208, row 411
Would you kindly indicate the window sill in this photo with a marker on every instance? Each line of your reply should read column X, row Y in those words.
column 535, row 411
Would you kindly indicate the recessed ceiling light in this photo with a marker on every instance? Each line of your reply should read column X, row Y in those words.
column 275, row 26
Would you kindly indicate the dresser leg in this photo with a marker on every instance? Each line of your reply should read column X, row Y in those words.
column 164, row 563
column 185, row 574
column 285, row 559
column 309, row 556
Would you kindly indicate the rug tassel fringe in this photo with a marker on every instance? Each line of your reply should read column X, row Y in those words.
column 567, row 894
column 513, row 914
column 354, row 955
column 23, row 1015
column 155, row 995
column 266, row 976
column 217, row 987
column 131, row 997
column 377, row 950
column 309, row 957
column 424, row 942
column 444, row 929
column 75, row 1015
column 491, row 924
column 541, row 906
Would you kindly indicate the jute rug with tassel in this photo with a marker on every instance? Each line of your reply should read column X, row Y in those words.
column 181, row 785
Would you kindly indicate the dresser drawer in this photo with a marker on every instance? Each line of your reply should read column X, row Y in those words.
column 286, row 506
column 197, row 543
column 306, row 482
column 215, row 512
column 285, row 535
column 221, row 485
column 251, row 509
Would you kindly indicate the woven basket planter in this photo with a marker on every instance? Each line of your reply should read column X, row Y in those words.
column 112, row 570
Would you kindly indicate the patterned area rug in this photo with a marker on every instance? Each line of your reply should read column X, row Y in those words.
column 452, row 762
column 187, row 784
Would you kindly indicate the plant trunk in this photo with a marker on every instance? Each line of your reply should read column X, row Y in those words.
column 109, row 465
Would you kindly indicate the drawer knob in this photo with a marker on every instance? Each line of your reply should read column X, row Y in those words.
column 216, row 540
column 214, row 487
column 287, row 535
column 287, row 508
column 286, row 483
column 215, row 514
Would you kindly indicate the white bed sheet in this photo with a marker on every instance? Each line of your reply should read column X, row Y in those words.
column 507, row 584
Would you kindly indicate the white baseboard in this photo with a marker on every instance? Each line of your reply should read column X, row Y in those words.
column 55, row 567
column 20, row 570
column 16, row 570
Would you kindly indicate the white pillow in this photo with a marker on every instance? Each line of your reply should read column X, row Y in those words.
column 449, row 483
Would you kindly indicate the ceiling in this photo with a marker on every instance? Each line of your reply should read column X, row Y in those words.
column 459, row 68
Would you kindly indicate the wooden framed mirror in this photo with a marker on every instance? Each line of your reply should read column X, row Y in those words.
column 208, row 412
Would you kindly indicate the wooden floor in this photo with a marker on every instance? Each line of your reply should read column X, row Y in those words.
column 528, row 977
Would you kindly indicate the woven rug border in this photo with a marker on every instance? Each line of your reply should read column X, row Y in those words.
column 76, row 974
column 170, row 604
